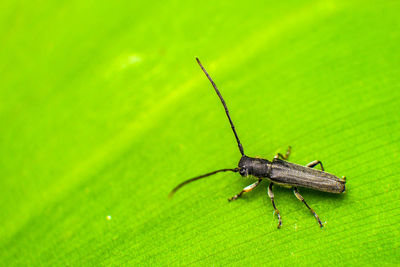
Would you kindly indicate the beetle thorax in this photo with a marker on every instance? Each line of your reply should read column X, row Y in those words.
column 257, row 167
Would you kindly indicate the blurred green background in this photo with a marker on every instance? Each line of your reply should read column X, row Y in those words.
column 103, row 110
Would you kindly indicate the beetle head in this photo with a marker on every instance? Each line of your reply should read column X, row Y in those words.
column 243, row 166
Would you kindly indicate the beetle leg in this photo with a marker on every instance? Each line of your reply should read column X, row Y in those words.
column 314, row 163
column 279, row 155
column 271, row 196
column 299, row 197
column 246, row 189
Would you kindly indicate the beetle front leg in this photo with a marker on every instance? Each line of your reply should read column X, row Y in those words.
column 279, row 155
column 246, row 189
column 271, row 196
column 314, row 163
column 299, row 197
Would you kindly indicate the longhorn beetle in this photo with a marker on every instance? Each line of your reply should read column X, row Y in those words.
column 278, row 171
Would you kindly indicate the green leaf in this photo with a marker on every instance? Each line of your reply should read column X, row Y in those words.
column 103, row 110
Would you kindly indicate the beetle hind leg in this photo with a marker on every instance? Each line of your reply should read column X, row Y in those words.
column 314, row 163
column 299, row 197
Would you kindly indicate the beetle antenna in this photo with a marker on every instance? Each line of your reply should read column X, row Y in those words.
column 223, row 103
column 199, row 177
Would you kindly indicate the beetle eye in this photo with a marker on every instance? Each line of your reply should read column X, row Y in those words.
column 242, row 171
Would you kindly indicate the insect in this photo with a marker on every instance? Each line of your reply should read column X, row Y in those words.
column 278, row 171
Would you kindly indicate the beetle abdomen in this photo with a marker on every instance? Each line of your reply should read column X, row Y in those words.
column 283, row 172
